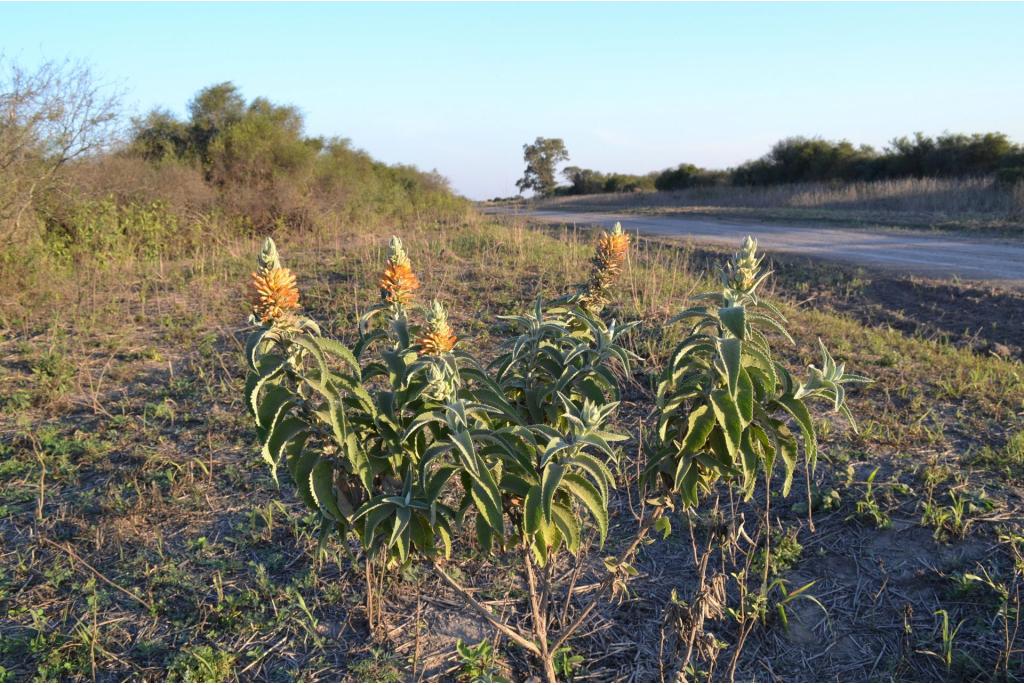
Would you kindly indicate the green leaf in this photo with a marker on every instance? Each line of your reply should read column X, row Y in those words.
column 321, row 480
column 484, row 534
column 728, row 416
column 598, row 471
column 745, row 397
column 335, row 348
column 734, row 319
column 730, row 350
column 309, row 344
column 549, row 485
column 569, row 527
column 586, row 493
column 280, row 435
column 270, row 367
column 664, row 526
column 375, row 514
column 252, row 346
column 532, row 514
column 798, row 410
column 276, row 400
column 701, row 421
column 750, row 460
column 301, row 470
column 402, row 516
column 686, row 481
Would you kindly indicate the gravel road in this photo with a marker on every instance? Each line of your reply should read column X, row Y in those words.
column 975, row 259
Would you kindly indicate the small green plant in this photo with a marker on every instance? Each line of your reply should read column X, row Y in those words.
column 567, row 663
column 785, row 553
column 948, row 639
column 380, row 666
column 783, row 597
column 53, row 373
column 953, row 520
column 477, row 663
column 203, row 664
column 868, row 507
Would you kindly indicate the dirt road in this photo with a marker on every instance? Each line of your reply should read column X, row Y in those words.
column 976, row 259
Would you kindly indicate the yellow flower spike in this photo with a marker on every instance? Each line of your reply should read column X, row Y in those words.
column 609, row 257
column 611, row 251
column 274, row 294
column 399, row 281
column 439, row 338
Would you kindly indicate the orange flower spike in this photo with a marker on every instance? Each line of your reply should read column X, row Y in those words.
column 611, row 251
column 274, row 294
column 398, row 282
column 439, row 338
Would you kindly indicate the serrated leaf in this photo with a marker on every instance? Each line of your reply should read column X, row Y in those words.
column 730, row 350
column 735, row 320
column 728, row 416
column 568, row 526
column 700, row 421
column 335, row 348
column 282, row 432
column 549, row 485
column 586, row 493
column 321, row 481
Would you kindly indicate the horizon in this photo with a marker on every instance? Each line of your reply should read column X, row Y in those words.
column 460, row 88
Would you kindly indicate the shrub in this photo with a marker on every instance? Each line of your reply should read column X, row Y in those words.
column 401, row 438
column 723, row 398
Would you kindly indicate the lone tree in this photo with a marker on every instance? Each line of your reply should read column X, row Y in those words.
column 541, row 157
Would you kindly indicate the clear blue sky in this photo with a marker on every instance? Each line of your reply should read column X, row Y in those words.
column 630, row 87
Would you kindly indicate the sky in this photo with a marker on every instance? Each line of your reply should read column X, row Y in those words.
column 630, row 87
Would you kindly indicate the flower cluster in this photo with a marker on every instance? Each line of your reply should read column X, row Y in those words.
column 438, row 339
column 274, row 293
column 742, row 273
column 609, row 257
column 399, row 281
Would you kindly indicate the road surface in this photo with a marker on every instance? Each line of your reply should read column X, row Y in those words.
column 976, row 259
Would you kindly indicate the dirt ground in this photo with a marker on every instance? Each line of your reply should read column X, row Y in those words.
column 143, row 538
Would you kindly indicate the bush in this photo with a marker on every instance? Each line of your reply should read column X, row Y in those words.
column 687, row 176
column 399, row 439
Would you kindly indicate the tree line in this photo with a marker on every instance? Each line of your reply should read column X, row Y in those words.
column 73, row 166
column 792, row 160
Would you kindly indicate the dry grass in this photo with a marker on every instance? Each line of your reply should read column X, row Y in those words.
column 143, row 539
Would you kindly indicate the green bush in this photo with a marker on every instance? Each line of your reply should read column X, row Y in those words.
column 402, row 439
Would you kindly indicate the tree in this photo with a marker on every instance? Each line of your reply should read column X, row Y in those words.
column 542, row 157
column 48, row 118
column 212, row 111
column 159, row 136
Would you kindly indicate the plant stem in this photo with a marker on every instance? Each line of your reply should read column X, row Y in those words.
column 607, row 582
column 538, row 606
